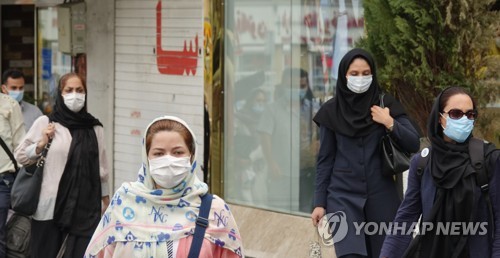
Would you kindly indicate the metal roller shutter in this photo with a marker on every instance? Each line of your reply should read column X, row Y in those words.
column 153, row 79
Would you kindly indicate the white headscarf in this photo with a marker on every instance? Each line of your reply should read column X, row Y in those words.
column 141, row 214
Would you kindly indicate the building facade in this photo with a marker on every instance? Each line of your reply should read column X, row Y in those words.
column 247, row 75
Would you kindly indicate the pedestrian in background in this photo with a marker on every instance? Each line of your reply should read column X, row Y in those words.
column 75, row 175
column 447, row 191
column 348, row 177
column 156, row 216
column 13, row 85
column 11, row 133
column 248, row 151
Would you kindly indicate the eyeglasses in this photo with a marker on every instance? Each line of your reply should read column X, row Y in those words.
column 457, row 114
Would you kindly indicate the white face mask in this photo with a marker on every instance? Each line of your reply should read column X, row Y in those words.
column 359, row 84
column 74, row 101
column 168, row 171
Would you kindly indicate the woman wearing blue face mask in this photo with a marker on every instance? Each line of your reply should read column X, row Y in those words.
column 446, row 191
column 156, row 216
column 349, row 181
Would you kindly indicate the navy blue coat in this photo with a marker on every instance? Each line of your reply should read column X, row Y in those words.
column 419, row 198
column 349, row 179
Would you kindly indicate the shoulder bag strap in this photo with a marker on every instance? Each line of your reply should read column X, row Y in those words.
column 9, row 153
column 476, row 152
column 41, row 160
column 201, row 226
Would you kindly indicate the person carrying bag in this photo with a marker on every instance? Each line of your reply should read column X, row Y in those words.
column 24, row 200
column 25, row 191
column 74, row 189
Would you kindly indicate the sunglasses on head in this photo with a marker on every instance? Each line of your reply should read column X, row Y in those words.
column 457, row 114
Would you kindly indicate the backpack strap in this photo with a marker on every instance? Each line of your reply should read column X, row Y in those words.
column 422, row 162
column 476, row 152
column 201, row 226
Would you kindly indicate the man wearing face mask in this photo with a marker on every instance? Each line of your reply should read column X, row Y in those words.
column 13, row 85
column 11, row 134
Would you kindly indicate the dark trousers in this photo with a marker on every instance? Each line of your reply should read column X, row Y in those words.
column 47, row 239
column 6, row 180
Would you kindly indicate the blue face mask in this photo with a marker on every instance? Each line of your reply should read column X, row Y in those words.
column 458, row 129
column 17, row 94
column 302, row 93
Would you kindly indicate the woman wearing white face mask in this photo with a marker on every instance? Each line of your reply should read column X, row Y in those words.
column 156, row 216
column 74, row 190
column 348, row 177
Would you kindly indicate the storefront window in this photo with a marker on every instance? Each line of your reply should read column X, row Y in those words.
column 52, row 64
column 281, row 63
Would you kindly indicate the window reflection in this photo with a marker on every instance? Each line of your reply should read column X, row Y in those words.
column 281, row 59
column 52, row 63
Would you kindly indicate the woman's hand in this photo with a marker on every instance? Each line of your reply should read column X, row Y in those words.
column 47, row 133
column 382, row 116
column 317, row 214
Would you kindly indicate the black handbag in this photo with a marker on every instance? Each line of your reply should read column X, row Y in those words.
column 25, row 191
column 394, row 159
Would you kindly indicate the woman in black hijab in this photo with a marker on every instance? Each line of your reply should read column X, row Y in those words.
column 74, row 176
column 448, row 194
column 349, row 182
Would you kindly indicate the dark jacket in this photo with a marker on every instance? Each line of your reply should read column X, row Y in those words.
column 349, row 180
column 419, row 199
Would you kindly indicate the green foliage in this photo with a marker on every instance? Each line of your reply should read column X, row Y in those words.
column 422, row 47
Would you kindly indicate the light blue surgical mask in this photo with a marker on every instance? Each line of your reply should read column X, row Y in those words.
column 17, row 94
column 458, row 129
column 302, row 93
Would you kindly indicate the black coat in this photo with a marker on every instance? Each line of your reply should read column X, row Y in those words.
column 349, row 179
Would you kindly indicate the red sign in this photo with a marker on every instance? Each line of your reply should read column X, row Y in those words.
column 175, row 62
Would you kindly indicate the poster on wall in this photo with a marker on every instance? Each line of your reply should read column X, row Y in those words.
column 46, row 63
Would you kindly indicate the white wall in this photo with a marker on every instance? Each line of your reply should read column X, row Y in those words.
column 100, row 68
column 142, row 93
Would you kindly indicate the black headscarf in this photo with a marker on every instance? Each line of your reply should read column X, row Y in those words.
column 454, row 178
column 78, row 204
column 349, row 113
